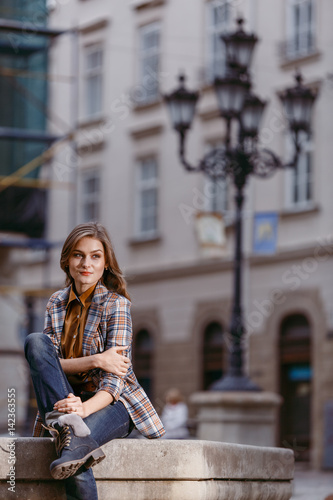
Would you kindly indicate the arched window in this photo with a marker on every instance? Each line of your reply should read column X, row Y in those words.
column 212, row 354
column 295, row 385
column 143, row 348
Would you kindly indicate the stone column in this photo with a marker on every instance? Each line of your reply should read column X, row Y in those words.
column 237, row 417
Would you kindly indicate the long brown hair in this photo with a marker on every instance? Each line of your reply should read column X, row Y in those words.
column 112, row 277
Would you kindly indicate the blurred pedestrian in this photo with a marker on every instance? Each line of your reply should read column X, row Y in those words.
column 175, row 415
column 86, row 390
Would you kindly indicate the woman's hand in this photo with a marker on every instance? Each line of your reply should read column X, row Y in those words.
column 112, row 361
column 72, row 404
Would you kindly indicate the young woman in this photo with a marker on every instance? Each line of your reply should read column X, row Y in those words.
column 86, row 390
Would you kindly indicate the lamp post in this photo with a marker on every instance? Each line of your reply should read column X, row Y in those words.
column 239, row 159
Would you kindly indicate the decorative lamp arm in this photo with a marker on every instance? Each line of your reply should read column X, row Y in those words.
column 297, row 144
column 185, row 163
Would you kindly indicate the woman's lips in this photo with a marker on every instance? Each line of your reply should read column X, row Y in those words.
column 85, row 273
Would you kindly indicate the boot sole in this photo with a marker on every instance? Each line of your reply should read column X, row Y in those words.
column 67, row 469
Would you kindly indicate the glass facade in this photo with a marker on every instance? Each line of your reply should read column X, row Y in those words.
column 23, row 104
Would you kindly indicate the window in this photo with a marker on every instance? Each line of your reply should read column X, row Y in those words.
column 149, row 63
column 212, row 354
column 299, row 192
column 296, row 384
column 93, row 81
column 90, row 195
column 216, row 194
column 300, row 28
column 147, row 198
column 143, row 360
column 216, row 190
column 219, row 21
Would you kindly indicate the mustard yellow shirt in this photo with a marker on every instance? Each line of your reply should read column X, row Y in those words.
column 72, row 334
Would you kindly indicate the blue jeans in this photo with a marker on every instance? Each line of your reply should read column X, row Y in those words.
column 51, row 385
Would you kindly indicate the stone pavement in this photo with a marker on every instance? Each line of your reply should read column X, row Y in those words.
column 312, row 485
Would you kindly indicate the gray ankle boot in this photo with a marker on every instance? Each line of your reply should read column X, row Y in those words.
column 74, row 446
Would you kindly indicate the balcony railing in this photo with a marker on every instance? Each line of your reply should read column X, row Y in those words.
column 299, row 46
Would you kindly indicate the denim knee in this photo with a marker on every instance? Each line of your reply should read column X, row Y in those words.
column 35, row 343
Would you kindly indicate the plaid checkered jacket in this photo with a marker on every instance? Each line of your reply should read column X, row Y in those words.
column 108, row 325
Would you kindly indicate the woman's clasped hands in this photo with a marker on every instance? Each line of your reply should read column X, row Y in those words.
column 72, row 404
column 111, row 361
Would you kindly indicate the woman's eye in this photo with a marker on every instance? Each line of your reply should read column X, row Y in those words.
column 97, row 256
column 76, row 255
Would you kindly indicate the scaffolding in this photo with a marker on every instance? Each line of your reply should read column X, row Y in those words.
column 24, row 50
column 26, row 148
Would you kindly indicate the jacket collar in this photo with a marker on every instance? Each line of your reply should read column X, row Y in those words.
column 94, row 315
column 100, row 294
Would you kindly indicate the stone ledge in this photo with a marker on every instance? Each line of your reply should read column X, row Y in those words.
column 158, row 490
column 244, row 399
column 187, row 460
column 194, row 490
column 158, row 470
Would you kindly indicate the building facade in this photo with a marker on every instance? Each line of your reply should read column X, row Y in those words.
column 122, row 167
column 24, row 42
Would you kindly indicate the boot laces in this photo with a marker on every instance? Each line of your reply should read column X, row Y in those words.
column 63, row 437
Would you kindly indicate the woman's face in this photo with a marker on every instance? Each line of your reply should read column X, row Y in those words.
column 86, row 263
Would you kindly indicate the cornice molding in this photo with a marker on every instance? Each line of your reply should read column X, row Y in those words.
column 144, row 4
column 220, row 265
column 85, row 148
column 146, row 130
column 95, row 25
column 138, row 242
column 291, row 254
column 209, row 114
column 297, row 61
column 147, row 106
column 178, row 271
column 90, row 123
column 311, row 210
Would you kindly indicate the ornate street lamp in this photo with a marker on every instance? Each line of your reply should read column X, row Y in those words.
column 231, row 92
column 239, row 47
column 181, row 104
column 250, row 116
column 239, row 159
column 298, row 103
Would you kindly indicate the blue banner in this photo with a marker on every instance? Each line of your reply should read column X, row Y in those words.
column 265, row 232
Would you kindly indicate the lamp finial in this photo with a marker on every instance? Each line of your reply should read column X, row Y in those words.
column 298, row 77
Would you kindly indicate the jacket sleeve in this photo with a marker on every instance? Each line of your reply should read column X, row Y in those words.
column 119, row 333
column 48, row 327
